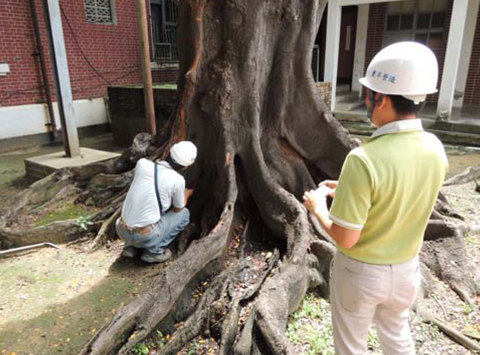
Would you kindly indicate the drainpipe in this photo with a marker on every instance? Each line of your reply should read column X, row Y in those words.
column 43, row 67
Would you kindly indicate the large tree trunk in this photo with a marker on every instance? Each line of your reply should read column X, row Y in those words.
column 249, row 103
column 264, row 136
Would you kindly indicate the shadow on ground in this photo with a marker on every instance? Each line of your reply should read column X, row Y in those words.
column 54, row 301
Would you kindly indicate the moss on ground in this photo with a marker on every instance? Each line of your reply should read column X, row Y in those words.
column 69, row 211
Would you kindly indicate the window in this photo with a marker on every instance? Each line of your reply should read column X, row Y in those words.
column 100, row 11
column 416, row 20
column 164, row 31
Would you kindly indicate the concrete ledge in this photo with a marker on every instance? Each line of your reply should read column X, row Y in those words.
column 41, row 166
column 449, row 137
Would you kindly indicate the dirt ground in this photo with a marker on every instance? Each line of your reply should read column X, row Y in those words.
column 52, row 301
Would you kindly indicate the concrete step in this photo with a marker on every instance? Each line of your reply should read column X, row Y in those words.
column 348, row 96
column 351, row 116
column 342, row 88
column 446, row 136
column 43, row 165
column 348, row 105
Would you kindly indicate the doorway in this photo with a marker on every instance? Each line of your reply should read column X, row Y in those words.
column 346, row 55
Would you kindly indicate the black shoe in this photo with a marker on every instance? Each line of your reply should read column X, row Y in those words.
column 156, row 258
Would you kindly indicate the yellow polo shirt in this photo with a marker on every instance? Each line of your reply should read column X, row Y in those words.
column 387, row 189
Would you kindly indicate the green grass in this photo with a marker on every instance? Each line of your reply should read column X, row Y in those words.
column 144, row 347
column 71, row 211
column 311, row 326
column 166, row 86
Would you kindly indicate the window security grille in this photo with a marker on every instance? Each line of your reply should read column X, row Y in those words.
column 164, row 31
column 416, row 20
column 99, row 11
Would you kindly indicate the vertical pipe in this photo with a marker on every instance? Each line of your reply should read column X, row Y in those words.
column 146, row 72
column 452, row 59
column 61, row 76
column 43, row 68
column 334, row 18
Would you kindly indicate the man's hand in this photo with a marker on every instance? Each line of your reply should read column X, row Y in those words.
column 310, row 201
column 189, row 192
column 316, row 200
column 332, row 184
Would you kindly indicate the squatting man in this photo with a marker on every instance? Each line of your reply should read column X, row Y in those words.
column 382, row 203
column 154, row 211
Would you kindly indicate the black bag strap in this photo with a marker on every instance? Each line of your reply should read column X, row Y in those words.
column 157, row 193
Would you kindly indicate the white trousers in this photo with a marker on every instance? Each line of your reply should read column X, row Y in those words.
column 361, row 293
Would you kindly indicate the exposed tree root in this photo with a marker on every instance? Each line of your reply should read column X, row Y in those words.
column 56, row 232
column 103, row 233
column 197, row 322
column 445, row 228
column 469, row 174
column 230, row 325
column 141, row 147
column 38, row 193
column 134, row 322
column 446, row 259
column 104, row 189
column 452, row 333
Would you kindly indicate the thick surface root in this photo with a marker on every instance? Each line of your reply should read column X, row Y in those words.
column 56, row 232
column 469, row 174
column 136, row 321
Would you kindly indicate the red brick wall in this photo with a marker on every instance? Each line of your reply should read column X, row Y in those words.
column 472, row 89
column 112, row 50
column 376, row 28
column 165, row 75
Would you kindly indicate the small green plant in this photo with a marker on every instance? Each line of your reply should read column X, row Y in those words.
column 140, row 349
column 194, row 349
column 160, row 339
column 472, row 240
column 311, row 325
column 467, row 309
column 83, row 222
column 373, row 342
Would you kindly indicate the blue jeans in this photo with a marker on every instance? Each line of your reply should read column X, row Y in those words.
column 161, row 235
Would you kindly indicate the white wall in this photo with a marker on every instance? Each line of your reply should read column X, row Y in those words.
column 360, row 47
column 17, row 121
column 467, row 45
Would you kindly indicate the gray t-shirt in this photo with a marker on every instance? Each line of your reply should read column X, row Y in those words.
column 141, row 207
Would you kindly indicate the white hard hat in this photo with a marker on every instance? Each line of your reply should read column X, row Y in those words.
column 183, row 153
column 409, row 69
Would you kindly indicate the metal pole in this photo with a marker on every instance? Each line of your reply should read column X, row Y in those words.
column 28, row 247
column 43, row 68
column 61, row 77
column 146, row 72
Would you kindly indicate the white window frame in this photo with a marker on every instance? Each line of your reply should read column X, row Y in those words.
column 413, row 31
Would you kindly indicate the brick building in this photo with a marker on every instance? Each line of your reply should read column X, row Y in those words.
column 355, row 30
column 103, row 49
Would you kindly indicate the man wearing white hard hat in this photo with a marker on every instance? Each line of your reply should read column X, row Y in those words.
column 154, row 211
column 382, row 203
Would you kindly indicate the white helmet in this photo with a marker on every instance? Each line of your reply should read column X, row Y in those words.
column 409, row 69
column 183, row 153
